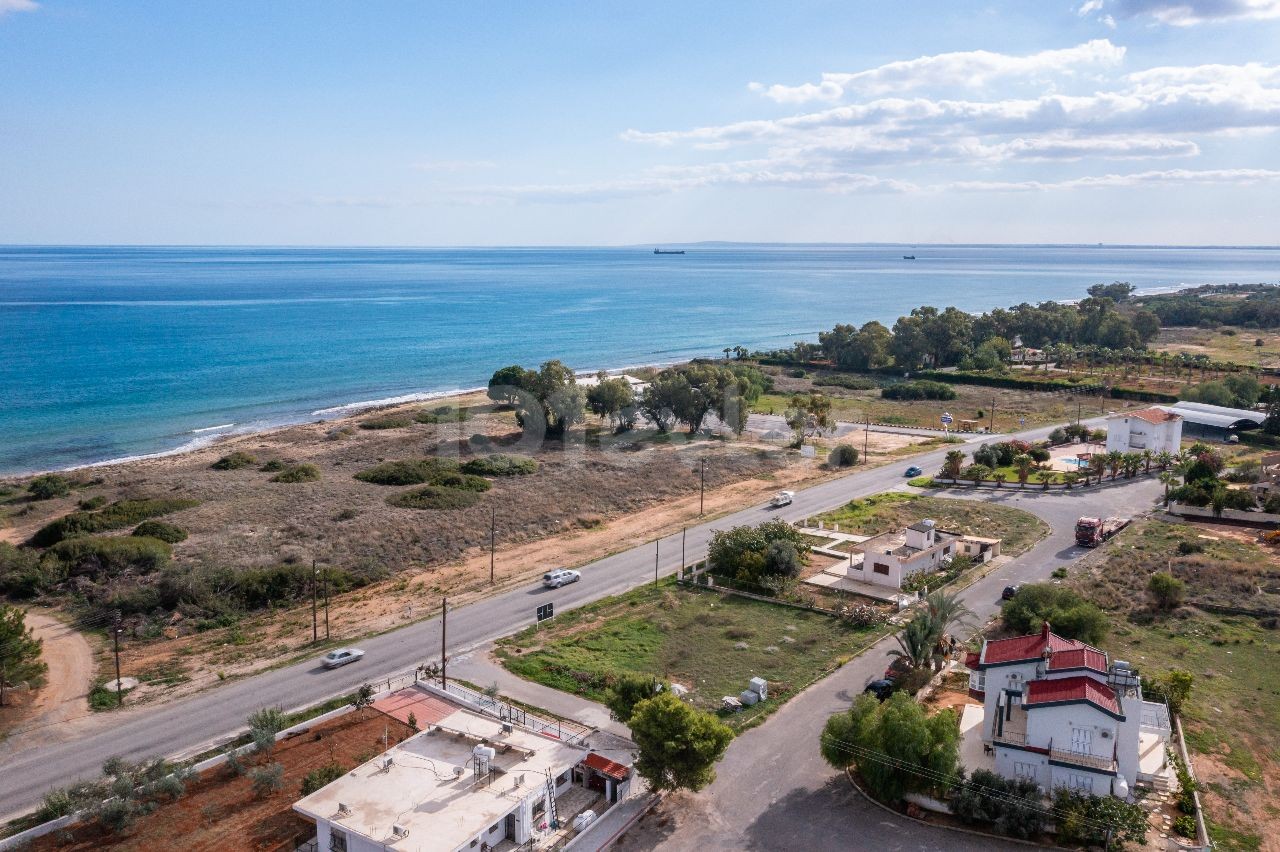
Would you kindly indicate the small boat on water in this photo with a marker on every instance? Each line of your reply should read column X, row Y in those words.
column 908, row 257
column 666, row 251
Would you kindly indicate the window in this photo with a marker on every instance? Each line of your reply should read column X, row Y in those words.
column 563, row 779
column 880, row 568
column 337, row 840
column 1081, row 741
column 978, row 681
column 494, row 827
column 539, row 808
column 1024, row 770
column 1080, row 782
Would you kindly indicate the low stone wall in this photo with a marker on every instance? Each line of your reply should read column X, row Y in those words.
column 1252, row 518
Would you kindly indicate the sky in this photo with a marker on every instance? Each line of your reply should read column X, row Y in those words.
column 308, row 122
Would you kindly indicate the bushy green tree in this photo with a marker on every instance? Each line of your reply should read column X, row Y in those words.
column 1069, row 614
column 742, row 552
column 1166, row 590
column 19, row 649
column 1014, row 807
column 678, row 746
column 844, row 455
column 895, row 746
column 614, row 400
column 1172, row 687
column 629, row 690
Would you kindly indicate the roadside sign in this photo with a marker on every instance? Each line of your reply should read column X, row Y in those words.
column 545, row 611
column 946, row 419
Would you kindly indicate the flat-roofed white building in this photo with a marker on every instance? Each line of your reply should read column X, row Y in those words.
column 468, row 781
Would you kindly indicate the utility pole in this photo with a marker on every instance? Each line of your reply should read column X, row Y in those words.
column 992, row 428
column 683, row 530
column 315, row 623
column 4, row 673
column 655, row 562
column 702, row 489
column 115, row 636
column 444, row 642
column 326, row 606
column 493, row 537
column 866, row 438
column 1079, row 406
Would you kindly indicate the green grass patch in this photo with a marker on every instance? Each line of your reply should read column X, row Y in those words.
column 123, row 513
column 500, row 464
column 408, row 472
column 895, row 510
column 104, row 697
column 387, row 421
column 434, row 497
column 234, row 461
column 298, row 473
column 711, row 642
column 921, row 482
column 168, row 533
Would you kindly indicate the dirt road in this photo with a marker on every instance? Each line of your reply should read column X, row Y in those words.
column 65, row 693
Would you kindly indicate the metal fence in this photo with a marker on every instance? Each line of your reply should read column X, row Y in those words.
column 507, row 712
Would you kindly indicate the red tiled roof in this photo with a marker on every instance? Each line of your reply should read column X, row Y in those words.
column 1079, row 658
column 607, row 766
column 1023, row 648
column 1152, row 415
column 971, row 659
column 1071, row 689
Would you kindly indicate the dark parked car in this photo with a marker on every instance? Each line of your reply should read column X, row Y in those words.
column 913, row 471
column 881, row 689
column 1009, row 591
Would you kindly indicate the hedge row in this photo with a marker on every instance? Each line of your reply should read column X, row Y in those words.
column 1014, row 383
column 123, row 513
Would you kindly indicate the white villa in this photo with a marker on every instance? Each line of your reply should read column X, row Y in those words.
column 890, row 558
column 1058, row 712
column 1154, row 429
column 468, row 781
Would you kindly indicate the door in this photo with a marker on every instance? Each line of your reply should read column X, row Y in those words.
column 1081, row 741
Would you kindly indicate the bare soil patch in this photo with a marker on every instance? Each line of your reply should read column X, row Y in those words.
column 220, row 810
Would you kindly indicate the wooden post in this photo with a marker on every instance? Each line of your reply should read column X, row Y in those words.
column 326, row 606
column 702, row 489
column 115, row 635
column 4, row 673
column 683, row 530
column 655, row 563
column 493, row 537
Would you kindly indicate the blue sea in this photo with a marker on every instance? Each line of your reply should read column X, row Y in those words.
column 119, row 352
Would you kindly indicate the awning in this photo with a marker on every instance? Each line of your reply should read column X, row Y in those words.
column 604, row 765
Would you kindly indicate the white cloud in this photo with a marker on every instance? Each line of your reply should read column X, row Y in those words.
column 7, row 6
column 1171, row 176
column 1185, row 13
column 973, row 69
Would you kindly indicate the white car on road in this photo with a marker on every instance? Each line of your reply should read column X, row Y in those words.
column 340, row 657
column 561, row 577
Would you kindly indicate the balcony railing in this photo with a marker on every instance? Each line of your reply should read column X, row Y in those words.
column 1155, row 717
column 1091, row 760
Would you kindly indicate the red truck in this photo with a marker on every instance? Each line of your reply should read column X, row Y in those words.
column 1091, row 532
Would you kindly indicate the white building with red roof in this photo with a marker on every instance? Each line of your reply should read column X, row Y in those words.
column 1057, row 711
column 1154, row 429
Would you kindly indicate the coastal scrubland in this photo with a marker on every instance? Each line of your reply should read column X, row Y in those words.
column 207, row 556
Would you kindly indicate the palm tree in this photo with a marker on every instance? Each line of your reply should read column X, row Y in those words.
column 1114, row 460
column 1164, row 459
column 999, row 479
column 1130, row 462
column 1023, row 465
column 1147, row 456
column 1070, row 478
column 1097, row 465
column 954, row 461
column 915, row 642
column 1167, row 477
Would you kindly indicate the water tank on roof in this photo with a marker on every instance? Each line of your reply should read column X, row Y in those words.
column 483, row 752
column 929, row 522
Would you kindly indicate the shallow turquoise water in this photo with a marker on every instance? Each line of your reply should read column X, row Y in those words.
column 115, row 352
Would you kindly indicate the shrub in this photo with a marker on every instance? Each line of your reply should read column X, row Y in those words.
column 844, row 455
column 272, row 585
column 1172, row 687
column 434, row 497
column 1058, row 436
column 106, row 556
column 123, row 513
column 159, row 529
column 1070, row 615
column 919, row 389
column 267, row 779
column 274, row 466
column 92, row 503
column 234, row 461
column 1166, row 590
column 407, row 472
column 500, row 464
column 20, row 571
column 1092, row 820
column 462, row 482
column 743, row 552
column 387, row 421
column 1013, row 806
column 1185, row 826
column 425, row 416
column 1039, row 454
column 49, row 486
column 298, row 473
column 322, row 777
column 842, row 380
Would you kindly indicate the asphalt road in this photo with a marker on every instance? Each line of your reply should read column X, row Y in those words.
column 32, row 764
column 774, row 792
